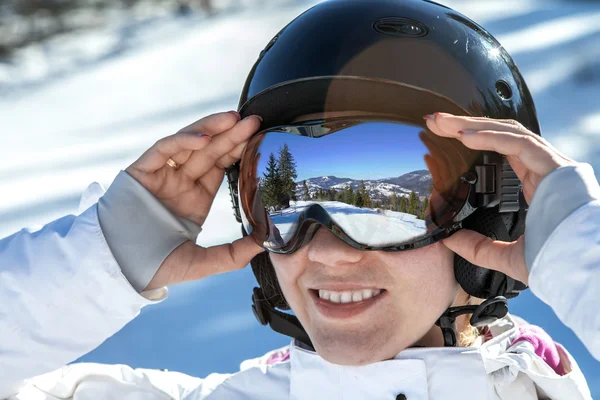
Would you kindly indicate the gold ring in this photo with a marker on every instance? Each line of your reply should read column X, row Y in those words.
column 172, row 163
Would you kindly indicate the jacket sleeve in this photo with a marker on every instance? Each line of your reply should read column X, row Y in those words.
column 562, row 246
column 112, row 381
column 61, row 295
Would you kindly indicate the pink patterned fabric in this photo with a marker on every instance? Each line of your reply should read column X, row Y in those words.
column 543, row 344
column 279, row 356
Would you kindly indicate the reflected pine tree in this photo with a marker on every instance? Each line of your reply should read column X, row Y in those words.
column 414, row 203
column 271, row 185
column 305, row 192
column 287, row 174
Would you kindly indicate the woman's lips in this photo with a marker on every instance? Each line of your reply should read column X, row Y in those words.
column 344, row 310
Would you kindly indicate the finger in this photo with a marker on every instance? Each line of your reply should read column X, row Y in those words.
column 214, row 124
column 439, row 172
column 505, row 257
column 533, row 155
column 223, row 258
column 212, row 180
column 433, row 170
column 453, row 124
column 450, row 167
column 435, row 159
column 182, row 157
column 233, row 156
column 202, row 161
column 157, row 156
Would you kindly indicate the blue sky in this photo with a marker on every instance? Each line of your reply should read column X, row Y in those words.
column 373, row 150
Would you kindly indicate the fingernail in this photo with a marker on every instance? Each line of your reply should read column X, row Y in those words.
column 237, row 114
column 254, row 115
column 441, row 114
column 467, row 132
column 203, row 135
column 429, row 116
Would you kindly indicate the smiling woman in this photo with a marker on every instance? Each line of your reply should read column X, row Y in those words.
column 388, row 265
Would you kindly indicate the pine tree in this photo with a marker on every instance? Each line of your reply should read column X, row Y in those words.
column 305, row 192
column 390, row 202
column 362, row 198
column 349, row 195
column 424, row 208
column 287, row 175
column 332, row 194
column 365, row 195
column 359, row 195
column 271, row 184
column 395, row 202
column 403, row 204
column 413, row 203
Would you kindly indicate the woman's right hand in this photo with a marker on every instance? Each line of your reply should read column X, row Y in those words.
column 201, row 151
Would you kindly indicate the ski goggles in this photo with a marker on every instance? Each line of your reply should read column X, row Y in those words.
column 375, row 184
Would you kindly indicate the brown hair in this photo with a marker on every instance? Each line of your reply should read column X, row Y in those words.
column 467, row 333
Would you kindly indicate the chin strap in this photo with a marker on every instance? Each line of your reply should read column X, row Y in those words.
column 280, row 322
column 286, row 324
column 483, row 314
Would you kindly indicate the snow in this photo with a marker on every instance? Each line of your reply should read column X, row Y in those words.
column 83, row 108
column 365, row 225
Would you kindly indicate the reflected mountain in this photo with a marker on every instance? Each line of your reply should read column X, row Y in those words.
column 379, row 189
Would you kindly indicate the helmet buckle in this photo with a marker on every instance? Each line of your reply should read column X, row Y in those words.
column 497, row 184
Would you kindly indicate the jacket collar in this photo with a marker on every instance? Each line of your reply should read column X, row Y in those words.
column 418, row 373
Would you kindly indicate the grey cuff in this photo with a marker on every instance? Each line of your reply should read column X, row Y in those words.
column 559, row 194
column 140, row 231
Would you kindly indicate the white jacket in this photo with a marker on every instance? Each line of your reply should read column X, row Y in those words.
column 62, row 294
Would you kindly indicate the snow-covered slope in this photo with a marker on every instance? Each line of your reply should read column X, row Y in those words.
column 62, row 131
column 379, row 228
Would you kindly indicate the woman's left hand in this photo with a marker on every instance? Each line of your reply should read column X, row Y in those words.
column 531, row 157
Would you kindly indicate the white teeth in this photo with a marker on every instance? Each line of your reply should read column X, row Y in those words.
column 324, row 294
column 357, row 296
column 348, row 296
column 335, row 297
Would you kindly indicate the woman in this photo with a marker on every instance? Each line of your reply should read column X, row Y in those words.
column 81, row 283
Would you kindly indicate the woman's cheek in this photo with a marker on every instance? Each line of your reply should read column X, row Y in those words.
column 287, row 269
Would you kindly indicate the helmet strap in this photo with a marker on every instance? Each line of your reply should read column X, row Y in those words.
column 482, row 314
column 286, row 324
column 280, row 322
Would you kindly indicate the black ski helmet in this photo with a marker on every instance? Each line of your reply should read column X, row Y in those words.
column 403, row 57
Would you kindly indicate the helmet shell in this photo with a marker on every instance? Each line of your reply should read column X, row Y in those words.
column 408, row 58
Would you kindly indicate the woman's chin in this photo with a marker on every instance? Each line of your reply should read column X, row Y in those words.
column 353, row 355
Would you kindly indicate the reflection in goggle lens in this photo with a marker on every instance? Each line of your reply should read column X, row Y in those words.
column 373, row 179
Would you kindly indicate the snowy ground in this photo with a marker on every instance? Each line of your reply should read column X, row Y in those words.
column 364, row 225
column 73, row 123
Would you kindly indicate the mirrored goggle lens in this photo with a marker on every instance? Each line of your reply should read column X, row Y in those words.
column 375, row 184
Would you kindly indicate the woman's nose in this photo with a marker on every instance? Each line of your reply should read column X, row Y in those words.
column 325, row 248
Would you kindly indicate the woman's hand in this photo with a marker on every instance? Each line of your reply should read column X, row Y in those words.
column 187, row 187
column 531, row 157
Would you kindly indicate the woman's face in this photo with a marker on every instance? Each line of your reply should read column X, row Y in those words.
column 416, row 286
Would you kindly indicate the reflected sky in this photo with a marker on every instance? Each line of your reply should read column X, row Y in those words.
column 373, row 150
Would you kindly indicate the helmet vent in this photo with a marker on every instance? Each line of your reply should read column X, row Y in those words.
column 503, row 90
column 400, row 27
